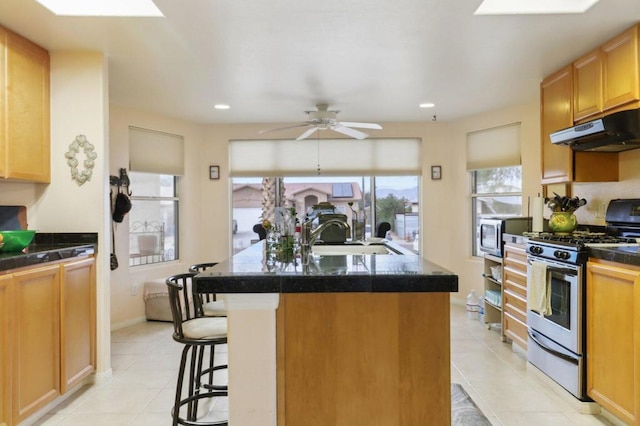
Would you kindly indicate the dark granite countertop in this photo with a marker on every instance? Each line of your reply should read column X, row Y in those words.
column 49, row 247
column 627, row 255
column 249, row 272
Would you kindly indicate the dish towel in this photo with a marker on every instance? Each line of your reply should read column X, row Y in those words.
column 539, row 291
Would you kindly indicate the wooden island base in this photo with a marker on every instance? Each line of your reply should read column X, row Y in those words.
column 363, row 359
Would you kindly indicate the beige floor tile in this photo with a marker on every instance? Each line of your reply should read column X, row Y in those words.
column 117, row 399
column 145, row 362
column 105, row 419
column 152, row 419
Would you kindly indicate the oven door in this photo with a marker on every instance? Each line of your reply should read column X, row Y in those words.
column 564, row 324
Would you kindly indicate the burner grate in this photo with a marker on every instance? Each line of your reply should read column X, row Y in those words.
column 580, row 239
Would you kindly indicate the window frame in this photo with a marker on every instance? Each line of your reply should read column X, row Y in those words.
column 175, row 199
column 475, row 252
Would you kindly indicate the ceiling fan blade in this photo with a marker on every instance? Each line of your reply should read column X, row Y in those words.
column 361, row 125
column 349, row 132
column 306, row 134
column 303, row 124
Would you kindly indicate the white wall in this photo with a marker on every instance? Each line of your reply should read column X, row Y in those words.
column 459, row 224
column 126, row 307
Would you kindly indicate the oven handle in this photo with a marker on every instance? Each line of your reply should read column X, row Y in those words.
column 551, row 351
column 551, row 268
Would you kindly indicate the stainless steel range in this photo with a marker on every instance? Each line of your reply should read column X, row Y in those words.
column 557, row 335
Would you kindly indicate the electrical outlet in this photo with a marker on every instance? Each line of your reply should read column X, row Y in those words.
column 134, row 289
column 602, row 209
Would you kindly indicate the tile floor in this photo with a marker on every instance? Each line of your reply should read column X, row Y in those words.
column 145, row 360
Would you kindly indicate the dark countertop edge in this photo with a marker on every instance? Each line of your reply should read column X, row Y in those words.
column 38, row 254
column 618, row 255
column 330, row 284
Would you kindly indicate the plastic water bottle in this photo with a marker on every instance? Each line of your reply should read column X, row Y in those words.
column 481, row 309
column 472, row 306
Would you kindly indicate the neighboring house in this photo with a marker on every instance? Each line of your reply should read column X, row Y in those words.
column 247, row 198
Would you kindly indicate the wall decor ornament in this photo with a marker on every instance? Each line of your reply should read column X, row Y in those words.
column 81, row 143
column 214, row 172
column 436, row 172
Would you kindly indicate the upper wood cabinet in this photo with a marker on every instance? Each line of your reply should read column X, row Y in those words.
column 24, row 109
column 607, row 78
column 621, row 70
column 556, row 112
column 587, row 85
column 603, row 81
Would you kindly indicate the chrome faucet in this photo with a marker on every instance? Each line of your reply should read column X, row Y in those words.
column 309, row 236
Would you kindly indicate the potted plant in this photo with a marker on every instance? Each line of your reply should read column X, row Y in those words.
column 563, row 220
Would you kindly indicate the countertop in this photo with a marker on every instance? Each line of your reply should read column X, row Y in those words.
column 627, row 255
column 49, row 247
column 250, row 272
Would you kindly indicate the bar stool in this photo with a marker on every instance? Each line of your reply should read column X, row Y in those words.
column 211, row 306
column 197, row 334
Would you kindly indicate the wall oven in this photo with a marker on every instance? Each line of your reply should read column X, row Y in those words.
column 557, row 338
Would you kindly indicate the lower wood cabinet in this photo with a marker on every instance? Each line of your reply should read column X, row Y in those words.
column 613, row 338
column 47, row 335
column 77, row 322
column 5, row 348
column 514, row 299
column 363, row 359
column 36, row 339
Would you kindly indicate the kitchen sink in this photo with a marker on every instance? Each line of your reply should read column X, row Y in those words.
column 346, row 249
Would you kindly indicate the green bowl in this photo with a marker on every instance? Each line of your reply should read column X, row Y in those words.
column 13, row 241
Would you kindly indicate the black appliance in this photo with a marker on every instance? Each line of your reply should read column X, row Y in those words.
column 557, row 339
column 619, row 131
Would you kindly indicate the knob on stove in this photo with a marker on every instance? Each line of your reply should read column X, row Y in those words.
column 560, row 254
column 535, row 249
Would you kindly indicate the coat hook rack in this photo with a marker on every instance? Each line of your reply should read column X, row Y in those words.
column 122, row 181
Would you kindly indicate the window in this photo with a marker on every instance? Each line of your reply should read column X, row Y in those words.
column 394, row 200
column 495, row 192
column 153, row 219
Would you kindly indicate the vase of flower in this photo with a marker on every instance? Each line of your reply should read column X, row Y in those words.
column 563, row 221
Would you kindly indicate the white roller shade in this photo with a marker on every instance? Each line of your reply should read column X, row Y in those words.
column 338, row 157
column 155, row 152
column 495, row 147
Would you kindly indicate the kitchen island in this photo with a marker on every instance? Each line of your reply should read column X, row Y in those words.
column 341, row 340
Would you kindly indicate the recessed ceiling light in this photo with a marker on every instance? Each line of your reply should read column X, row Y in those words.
column 427, row 105
column 522, row 7
column 102, row 7
column 221, row 106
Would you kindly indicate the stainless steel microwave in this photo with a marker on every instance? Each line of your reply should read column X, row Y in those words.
column 492, row 229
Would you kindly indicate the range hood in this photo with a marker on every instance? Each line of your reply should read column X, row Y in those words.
column 615, row 132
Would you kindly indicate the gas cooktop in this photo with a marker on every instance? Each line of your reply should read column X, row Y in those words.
column 586, row 239
column 573, row 247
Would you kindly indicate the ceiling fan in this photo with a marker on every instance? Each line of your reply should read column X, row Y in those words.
column 323, row 119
